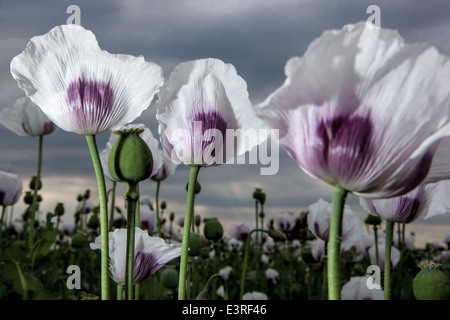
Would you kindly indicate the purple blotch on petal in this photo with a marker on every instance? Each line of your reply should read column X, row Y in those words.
column 346, row 145
column 408, row 209
column 90, row 99
column 209, row 120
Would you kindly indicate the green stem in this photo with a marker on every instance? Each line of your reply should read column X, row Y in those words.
column 113, row 204
column 1, row 221
column 158, row 221
column 186, row 230
column 377, row 256
column 35, row 194
column 103, row 215
column 224, row 282
column 244, row 266
column 334, row 244
column 324, row 274
column 132, row 197
column 387, row 260
column 119, row 292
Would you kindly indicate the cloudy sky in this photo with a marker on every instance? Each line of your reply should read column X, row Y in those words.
column 256, row 36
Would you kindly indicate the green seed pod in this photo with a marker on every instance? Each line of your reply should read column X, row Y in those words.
column 213, row 229
column 33, row 183
column 79, row 240
column 94, row 222
column 198, row 220
column 373, row 220
column 28, row 198
column 169, row 278
column 431, row 283
column 277, row 235
column 195, row 245
column 257, row 194
column 204, row 253
column 59, row 209
column 130, row 159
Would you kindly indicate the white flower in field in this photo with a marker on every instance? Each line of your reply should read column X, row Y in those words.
column 240, row 230
column 80, row 87
column 225, row 272
column 220, row 292
column 150, row 254
column 317, row 249
column 25, row 118
column 395, row 254
column 284, row 222
column 272, row 275
column 264, row 259
column 254, row 295
column 409, row 240
column 198, row 106
column 357, row 289
column 296, row 244
column 234, row 244
column 10, row 188
column 148, row 219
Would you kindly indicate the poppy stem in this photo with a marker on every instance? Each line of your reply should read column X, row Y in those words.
column 132, row 197
column 113, row 204
column 244, row 266
column 103, row 215
column 158, row 222
column 186, row 230
column 387, row 260
column 334, row 244
column 35, row 194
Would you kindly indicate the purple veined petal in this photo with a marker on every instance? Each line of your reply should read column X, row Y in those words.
column 201, row 101
column 25, row 118
column 362, row 110
column 10, row 188
column 81, row 88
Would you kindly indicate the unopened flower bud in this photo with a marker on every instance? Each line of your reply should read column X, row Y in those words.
column 373, row 220
column 79, row 240
column 257, row 194
column 431, row 283
column 197, row 189
column 163, row 205
column 172, row 216
column 79, row 197
column 59, row 209
column 33, row 183
column 28, row 198
column 277, row 235
column 169, row 278
column 198, row 220
column 87, row 194
column 94, row 222
column 195, row 245
column 130, row 159
column 213, row 229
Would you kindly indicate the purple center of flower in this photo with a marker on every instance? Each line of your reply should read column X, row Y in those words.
column 90, row 100
column 204, row 121
column 346, row 145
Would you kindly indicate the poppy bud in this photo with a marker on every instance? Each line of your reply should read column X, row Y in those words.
column 59, row 209
column 195, row 245
column 277, row 235
column 257, row 194
column 431, row 283
column 163, row 205
column 169, row 278
column 213, row 229
column 93, row 222
column 130, row 159
column 197, row 189
column 198, row 220
column 172, row 216
column 79, row 240
column 373, row 220
column 79, row 197
column 87, row 194
column 33, row 183
column 28, row 198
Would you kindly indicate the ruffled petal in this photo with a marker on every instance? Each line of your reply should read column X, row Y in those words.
column 81, row 88
column 362, row 109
